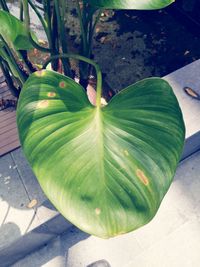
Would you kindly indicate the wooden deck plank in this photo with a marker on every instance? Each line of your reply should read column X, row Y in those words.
column 8, row 128
column 8, row 122
column 9, row 140
column 10, row 135
column 9, row 147
column 8, row 115
column 3, row 88
column 4, row 112
column 7, row 94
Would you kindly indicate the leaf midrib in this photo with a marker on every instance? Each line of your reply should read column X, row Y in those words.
column 100, row 143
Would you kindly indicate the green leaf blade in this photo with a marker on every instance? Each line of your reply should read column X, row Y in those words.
column 130, row 4
column 14, row 32
column 106, row 170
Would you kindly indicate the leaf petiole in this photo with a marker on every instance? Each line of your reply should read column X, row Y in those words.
column 87, row 60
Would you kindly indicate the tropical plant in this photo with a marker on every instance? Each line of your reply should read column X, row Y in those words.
column 106, row 168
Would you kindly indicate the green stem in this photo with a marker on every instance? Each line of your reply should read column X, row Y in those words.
column 23, row 54
column 9, row 80
column 47, row 16
column 39, row 7
column 51, row 29
column 55, row 40
column 63, row 8
column 11, row 60
column 88, row 32
column 83, row 27
column 21, row 15
column 4, row 5
column 87, row 60
column 44, row 24
column 63, row 40
column 28, row 31
column 91, row 32
column 15, row 79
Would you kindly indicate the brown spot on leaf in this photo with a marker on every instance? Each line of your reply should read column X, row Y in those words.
column 62, row 84
column 51, row 94
column 140, row 174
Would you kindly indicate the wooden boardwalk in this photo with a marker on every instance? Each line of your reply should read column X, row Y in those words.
column 8, row 129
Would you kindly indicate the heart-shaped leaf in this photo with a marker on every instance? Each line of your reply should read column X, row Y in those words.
column 105, row 169
column 130, row 4
column 14, row 32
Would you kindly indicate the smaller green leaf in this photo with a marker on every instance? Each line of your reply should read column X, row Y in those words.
column 14, row 32
column 130, row 4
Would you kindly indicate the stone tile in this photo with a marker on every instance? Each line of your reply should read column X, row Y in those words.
column 187, row 76
column 50, row 256
column 14, row 216
column 116, row 250
column 23, row 229
column 180, row 205
column 46, row 211
column 180, row 248
column 52, row 219
column 28, row 178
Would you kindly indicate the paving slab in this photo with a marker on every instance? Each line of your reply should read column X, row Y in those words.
column 24, row 226
column 171, row 239
column 13, row 200
column 188, row 76
column 28, row 226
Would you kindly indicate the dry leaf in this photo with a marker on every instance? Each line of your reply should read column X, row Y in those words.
column 32, row 204
column 189, row 91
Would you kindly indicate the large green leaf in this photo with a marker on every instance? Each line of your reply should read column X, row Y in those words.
column 14, row 32
column 105, row 169
column 130, row 4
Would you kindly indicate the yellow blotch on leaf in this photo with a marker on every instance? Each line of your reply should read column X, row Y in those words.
column 43, row 104
column 140, row 174
column 40, row 73
column 97, row 211
column 126, row 153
